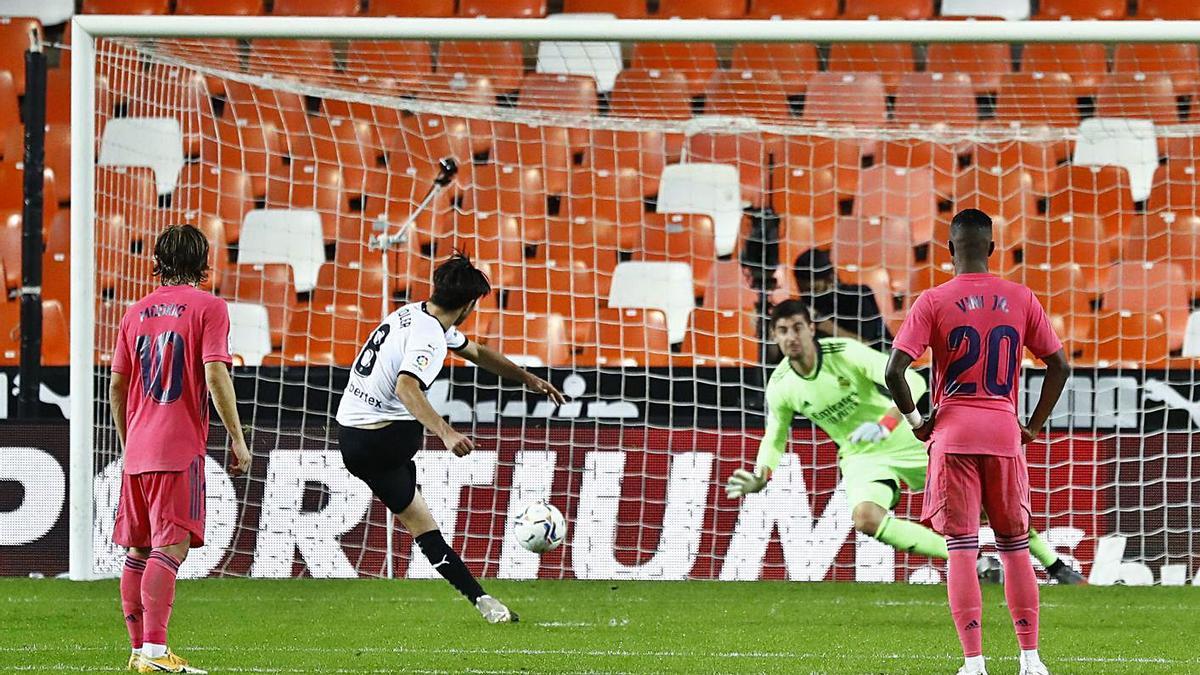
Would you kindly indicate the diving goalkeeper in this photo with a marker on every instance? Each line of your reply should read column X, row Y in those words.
column 838, row 384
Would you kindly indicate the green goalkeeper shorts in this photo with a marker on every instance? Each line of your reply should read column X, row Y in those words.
column 876, row 477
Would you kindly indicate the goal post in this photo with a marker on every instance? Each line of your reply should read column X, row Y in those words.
column 638, row 209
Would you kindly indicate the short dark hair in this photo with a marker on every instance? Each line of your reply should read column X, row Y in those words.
column 813, row 264
column 457, row 283
column 181, row 255
column 971, row 232
column 790, row 308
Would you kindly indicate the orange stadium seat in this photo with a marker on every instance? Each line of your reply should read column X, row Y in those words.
column 278, row 115
column 220, row 7
column 1128, row 339
column 405, row 191
column 1101, row 191
column 56, row 262
column 540, row 337
column 274, row 56
column 941, row 159
column 503, row 9
column 935, row 100
column 747, row 93
column 406, row 65
column 14, row 42
column 680, row 238
column 224, row 193
column 1082, row 9
column 793, row 62
column 1085, row 63
column 651, row 93
column 12, row 133
column 10, row 250
column 1151, row 288
column 421, row 8
column 744, row 151
column 864, row 244
column 1035, row 159
column 511, row 190
column 1038, row 99
column 315, row 8
column 846, row 98
column 1180, row 61
column 491, row 239
column 1175, row 188
column 1168, row 9
column 1077, row 239
column 793, row 9
column 349, row 293
column 56, row 343
column 421, row 141
column 701, row 9
column 644, row 152
column 631, row 337
column 888, row 9
column 250, row 148
column 1138, row 95
column 984, row 63
column 721, row 337
column 610, row 196
column 10, row 332
column 899, row 192
column 126, row 7
column 729, row 287
column 499, row 62
column 58, row 155
column 1004, row 193
column 806, row 192
column 129, row 194
column 843, row 157
column 266, row 284
column 566, row 291
column 547, row 149
column 1059, row 289
column 318, row 338
column 1173, row 240
column 559, row 93
column 889, row 60
column 590, row 241
column 622, row 9
column 696, row 61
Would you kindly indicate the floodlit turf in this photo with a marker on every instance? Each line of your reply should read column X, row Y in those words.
column 368, row 626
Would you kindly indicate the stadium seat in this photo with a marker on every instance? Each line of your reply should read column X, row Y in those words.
column 864, row 244
column 308, row 185
column 350, row 293
column 1037, row 99
column 793, row 9
column 1129, row 143
column 1035, row 159
column 1171, row 238
column 14, row 42
column 889, row 60
column 126, row 7
column 793, row 62
column 274, row 56
column 317, row 338
column 510, row 190
column 267, row 284
column 220, row 7
column 941, row 160
column 249, row 332
column 846, row 98
column 590, row 241
column 416, row 8
column 284, row 236
column 843, row 157
column 12, row 133
column 900, row 193
column 1101, row 191
column 491, row 239
column 568, row 291
column 644, row 152
column 531, row 340
column 935, row 100
column 152, row 142
column 501, row 63
column 888, row 9
column 10, row 251
column 128, row 194
column 631, row 337
column 503, row 9
column 652, row 93
column 1181, row 62
column 696, row 61
column 10, row 332
column 1087, row 64
column 665, row 286
column 708, row 189
column 1175, row 188
column 56, row 348
column 760, row 95
column 984, row 63
column 279, row 115
column 1080, row 240
column 729, row 287
column 600, row 61
column 1168, row 9
column 700, row 9
column 58, row 155
column 1060, row 289
column 559, row 93
column 1010, row 10
column 1082, row 9
column 680, row 238
column 1128, row 339
column 610, row 196
column 405, row 65
column 746, row 152
column 1151, row 288
column 621, row 9
column 218, row 252
column 248, row 148
column 1139, row 96
column 722, row 338
column 1005, row 193
column 808, row 193
column 315, row 8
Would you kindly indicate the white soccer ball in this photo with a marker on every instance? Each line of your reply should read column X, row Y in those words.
column 540, row 527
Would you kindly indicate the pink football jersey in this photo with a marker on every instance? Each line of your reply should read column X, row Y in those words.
column 976, row 325
column 164, row 341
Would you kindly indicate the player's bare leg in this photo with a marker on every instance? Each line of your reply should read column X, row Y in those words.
column 131, row 601
column 158, row 597
column 419, row 522
column 875, row 521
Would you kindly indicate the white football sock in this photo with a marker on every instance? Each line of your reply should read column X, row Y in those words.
column 976, row 663
column 1030, row 656
column 153, row 651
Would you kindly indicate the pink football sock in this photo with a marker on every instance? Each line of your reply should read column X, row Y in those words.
column 1020, row 588
column 131, row 598
column 966, row 601
column 158, row 595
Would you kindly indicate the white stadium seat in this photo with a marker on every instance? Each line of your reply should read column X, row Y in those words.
column 285, row 236
column 666, row 286
column 249, row 332
column 713, row 190
column 1118, row 141
column 153, row 142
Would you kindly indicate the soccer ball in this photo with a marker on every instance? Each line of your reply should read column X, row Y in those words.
column 540, row 527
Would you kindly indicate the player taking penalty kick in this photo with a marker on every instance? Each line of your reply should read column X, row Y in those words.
column 384, row 414
column 977, row 326
column 172, row 352
column 835, row 382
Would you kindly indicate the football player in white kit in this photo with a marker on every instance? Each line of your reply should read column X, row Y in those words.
column 384, row 413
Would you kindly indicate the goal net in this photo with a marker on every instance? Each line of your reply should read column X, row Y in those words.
column 639, row 207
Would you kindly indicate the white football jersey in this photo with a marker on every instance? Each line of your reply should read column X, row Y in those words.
column 409, row 341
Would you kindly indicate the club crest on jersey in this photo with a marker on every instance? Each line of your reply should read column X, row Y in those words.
column 843, row 382
column 422, row 361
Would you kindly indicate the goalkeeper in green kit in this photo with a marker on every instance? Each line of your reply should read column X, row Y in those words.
column 838, row 384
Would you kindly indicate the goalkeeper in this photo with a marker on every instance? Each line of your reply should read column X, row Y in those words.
column 838, row 384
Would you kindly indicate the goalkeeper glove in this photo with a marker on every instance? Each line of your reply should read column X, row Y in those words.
column 869, row 432
column 742, row 482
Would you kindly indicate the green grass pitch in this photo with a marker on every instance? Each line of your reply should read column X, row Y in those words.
column 376, row 626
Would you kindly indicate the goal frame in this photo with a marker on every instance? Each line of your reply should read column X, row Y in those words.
column 86, row 28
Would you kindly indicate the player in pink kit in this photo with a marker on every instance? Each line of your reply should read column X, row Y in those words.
column 977, row 325
column 172, row 351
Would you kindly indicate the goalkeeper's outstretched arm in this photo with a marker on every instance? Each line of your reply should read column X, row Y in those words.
column 498, row 364
column 770, row 451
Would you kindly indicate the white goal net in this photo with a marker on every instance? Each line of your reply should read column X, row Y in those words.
column 639, row 207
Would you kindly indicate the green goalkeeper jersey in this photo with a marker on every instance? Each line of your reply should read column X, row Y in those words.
column 846, row 390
